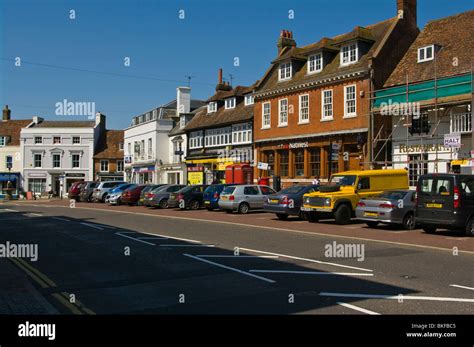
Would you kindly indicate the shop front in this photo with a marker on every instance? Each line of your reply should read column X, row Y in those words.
column 9, row 184
column 143, row 174
column 302, row 160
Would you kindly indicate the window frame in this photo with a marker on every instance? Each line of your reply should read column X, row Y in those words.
column 424, row 50
column 349, row 54
column 101, row 165
column 318, row 58
column 286, row 69
column 230, row 103
column 246, row 98
column 74, row 138
column 212, row 107
column 40, row 160
column 264, row 125
column 280, row 111
column 78, row 161
column 346, row 100
column 40, row 142
column 323, row 104
column 300, row 119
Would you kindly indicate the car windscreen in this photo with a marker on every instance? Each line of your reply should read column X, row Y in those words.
column 393, row 195
column 159, row 188
column 343, row 180
column 228, row 190
column 292, row 190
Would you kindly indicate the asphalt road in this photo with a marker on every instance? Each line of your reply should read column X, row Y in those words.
column 102, row 260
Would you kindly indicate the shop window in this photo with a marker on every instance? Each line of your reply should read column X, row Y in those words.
column 37, row 185
column 284, row 161
column 315, row 162
column 299, row 163
column 269, row 158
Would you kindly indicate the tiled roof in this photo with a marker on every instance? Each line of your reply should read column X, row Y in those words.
column 224, row 94
column 108, row 146
column 12, row 129
column 455, row 35
column 65, row 124
column 374, row 33
column 222, row 117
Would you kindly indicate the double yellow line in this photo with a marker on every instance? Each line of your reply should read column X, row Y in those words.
column 45, row 282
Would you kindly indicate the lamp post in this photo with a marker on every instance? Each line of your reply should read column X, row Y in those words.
column 9, row 183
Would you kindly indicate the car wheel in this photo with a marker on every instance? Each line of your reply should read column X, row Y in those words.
column 104, row 197
column 343, row 215
column 372, row 224
column 282, row 216
column 244, row 208
column 164, row 203
column 470, row 227
column 429, row 229
column 119, row 202
column 194, row 205
column 409, row 221
column 312, row 217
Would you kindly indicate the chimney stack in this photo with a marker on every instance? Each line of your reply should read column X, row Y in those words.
column 406, row 10
column 285, row 40
column 183, row 100
column 6, row 113
column 221, row 85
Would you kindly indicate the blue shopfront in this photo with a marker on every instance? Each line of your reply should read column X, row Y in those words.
column 9, row 182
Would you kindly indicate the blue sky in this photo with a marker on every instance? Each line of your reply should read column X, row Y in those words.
column 162, row 47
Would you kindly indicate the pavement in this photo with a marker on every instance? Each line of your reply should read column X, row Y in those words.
column 98, row 259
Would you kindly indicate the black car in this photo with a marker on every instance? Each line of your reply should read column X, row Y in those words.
column 189, row 197
column 445, row 201
column 288, row 201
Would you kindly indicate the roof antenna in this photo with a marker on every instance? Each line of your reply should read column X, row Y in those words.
column 231, row 79
column 189, row 79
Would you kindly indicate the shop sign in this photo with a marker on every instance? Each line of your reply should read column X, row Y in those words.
column 299, row 145
column 422, row 148
column 452, row 140
column 127, row 159
column 195, row 168
column 75, row 175
column 336, row 146
column 42, row 175
column 334, row 157
column 195, row 177
column 262, row 166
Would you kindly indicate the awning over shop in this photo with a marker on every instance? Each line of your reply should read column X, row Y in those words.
column 211, row 161
column 9, row 176
column 425, row 91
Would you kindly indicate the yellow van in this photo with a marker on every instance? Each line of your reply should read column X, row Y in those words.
column 340, row 197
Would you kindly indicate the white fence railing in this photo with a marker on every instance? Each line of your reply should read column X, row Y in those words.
column 461, row 123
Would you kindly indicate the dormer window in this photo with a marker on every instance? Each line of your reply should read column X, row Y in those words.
column 285, row 71
column 248, row 100
column 229, row 103
column 315, row 63
column 349, row 54
column 212, row 107
column 425, row 54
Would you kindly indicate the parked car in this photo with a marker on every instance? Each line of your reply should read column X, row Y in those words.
column 391, row 207
column 244, row 198
column 339, row 199
column 103, row 188
column 188, row 197
column 158, row 197
column 212, row 195
column 115, row 195
column 75, row 190
column 147, row 189
column 445, row 201
column 288, row 201
column 87, row 190
column 131, row 195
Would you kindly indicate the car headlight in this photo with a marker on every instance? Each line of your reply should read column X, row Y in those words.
column 306, row 200
column 327, row 202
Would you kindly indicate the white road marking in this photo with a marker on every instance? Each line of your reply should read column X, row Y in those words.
column 63, row 219
column 463, row 287
column 306, row 259
column 457, row 238
column 138, row 240
column 356, row 308
column 164, row 245
column 236, row 256
column 174, row 238
column 92, row 226
column 395, row 297
column 107, row 226
column 351, row 227
column 231, row 268
column 322, row 273
column 33, row 214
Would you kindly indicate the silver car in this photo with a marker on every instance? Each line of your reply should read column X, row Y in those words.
column 100, row 192
column 244, row 198
column 391, row 207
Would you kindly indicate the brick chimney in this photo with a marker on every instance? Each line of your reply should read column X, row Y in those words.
column 6, row 113
column 406, row 9
column 285, row 40
column 221, row 85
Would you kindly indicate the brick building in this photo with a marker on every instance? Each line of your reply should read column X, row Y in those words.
column 313, row 105
column 108, row 157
